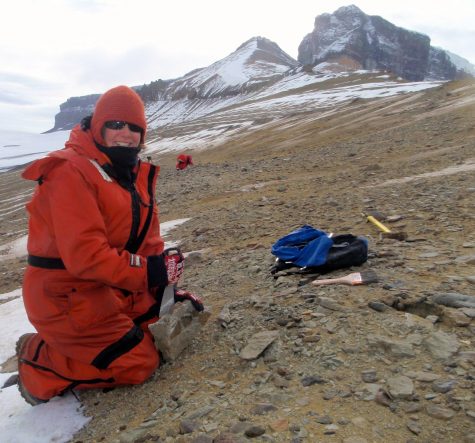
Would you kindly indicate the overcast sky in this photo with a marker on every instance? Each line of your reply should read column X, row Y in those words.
column 51, row 50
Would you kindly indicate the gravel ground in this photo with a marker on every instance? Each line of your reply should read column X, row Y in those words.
column 379, row 362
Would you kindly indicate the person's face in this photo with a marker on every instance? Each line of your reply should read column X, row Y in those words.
column 117, row 133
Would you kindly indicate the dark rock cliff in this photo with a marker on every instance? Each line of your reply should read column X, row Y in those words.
column 375, row 44
column 73, row 110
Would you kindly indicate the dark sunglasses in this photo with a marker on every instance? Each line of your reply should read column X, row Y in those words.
column 116, row 125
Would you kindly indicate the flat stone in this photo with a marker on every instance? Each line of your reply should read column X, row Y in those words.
column 331, row 429
column 429, row 254
column 280, row 425
column 324, row 420
column 369, row 376
column 396, row 348
column 132, row 435
column 10, row 365
column 239, row 427
column 263, row 408
column 201, row 412
column 378, row 306
column 254, row 431
column 224, row 317
column 455, row 317
column 400, row 387
column 443, row 386
column 442, row 345
column 187, row 426
column 469, row 312
column 414, row 427
column 258, row 344
column 468, row 356
column 360, row 422
column 440, row 412
column 466, row 259
column 367, row 391
column 310, row 380
column 422, row 376
column 411, row 407
column 330, row 304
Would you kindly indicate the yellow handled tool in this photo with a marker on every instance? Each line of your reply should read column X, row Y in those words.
column 377, row 223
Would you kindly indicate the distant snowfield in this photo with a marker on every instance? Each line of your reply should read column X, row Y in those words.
column 18, row 148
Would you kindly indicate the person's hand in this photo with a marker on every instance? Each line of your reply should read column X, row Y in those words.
column 182, row 295
column 175, row 264
column 156, row 272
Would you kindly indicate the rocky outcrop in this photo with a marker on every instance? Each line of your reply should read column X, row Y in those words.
column 73, row 110
column 375, row 44
column 462, row 64
column 440, row 65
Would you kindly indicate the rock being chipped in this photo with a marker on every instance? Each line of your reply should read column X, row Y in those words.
column 176, row 330
column 258, row 344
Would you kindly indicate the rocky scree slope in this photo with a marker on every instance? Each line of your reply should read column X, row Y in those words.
column 350, row 364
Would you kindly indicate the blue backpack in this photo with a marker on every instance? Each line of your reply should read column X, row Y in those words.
column 314, row 251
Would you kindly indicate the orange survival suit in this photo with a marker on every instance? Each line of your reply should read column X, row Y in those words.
column 183, row 161
column 85, row 289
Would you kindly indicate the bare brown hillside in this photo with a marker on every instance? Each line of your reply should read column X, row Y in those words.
column 351, row 364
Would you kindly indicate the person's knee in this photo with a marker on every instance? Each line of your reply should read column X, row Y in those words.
column 137, row 365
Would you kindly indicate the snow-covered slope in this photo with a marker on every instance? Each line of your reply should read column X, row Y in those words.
column 200, row 124
column 256, row 62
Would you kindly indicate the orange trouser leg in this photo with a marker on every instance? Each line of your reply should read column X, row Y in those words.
column 45, row 372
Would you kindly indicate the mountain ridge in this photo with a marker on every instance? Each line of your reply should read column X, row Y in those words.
column 375, row 43
column 258, row 63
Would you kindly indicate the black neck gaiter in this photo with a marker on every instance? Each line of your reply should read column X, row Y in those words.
column 121, row 156
column 123, row 160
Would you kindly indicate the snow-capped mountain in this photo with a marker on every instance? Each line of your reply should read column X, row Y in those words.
column 254, row 64
column 345, row 41
column 370, row 42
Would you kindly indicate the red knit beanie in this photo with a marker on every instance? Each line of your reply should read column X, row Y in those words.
column 119, row 103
